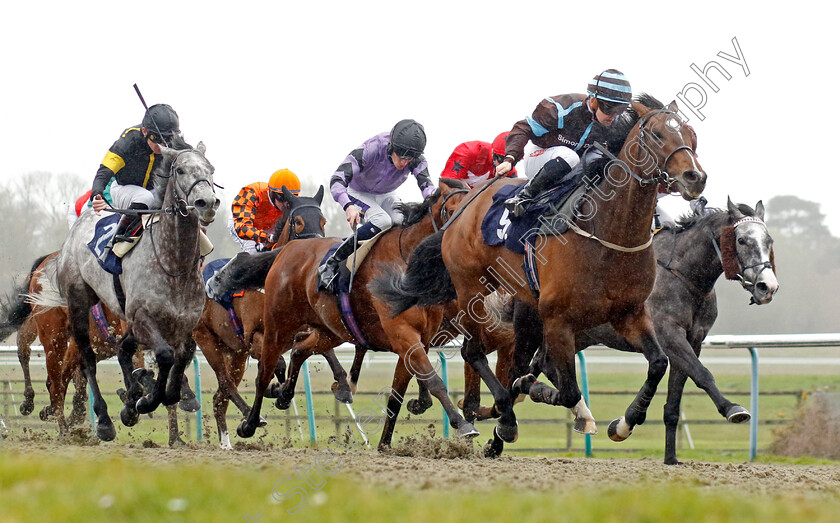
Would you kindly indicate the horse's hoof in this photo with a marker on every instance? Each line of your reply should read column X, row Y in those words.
column 737, row 414
column 189, row 404
column 467, row 430
column 244, row 430
column 283, row 403
column 672, row 460
column 493, row 448
column 522, row 385
column 383, row 447
column 145, row 378
column 507, row 433
column 417, row 407
column 619, row 430
column 129, row 416
column 177, row 442
column 105, row 430
column 27, row 407
column 145, row 405
column 342, row 394
column 45, row 413
column 263, row 422
column 585, row 426
column 272, row 391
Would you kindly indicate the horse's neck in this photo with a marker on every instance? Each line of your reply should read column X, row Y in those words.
column 693, row 254
column 624, row 212
column 176, row 237
column 408, row 238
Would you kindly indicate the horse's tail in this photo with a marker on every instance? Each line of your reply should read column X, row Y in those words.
column 244, row 272
column 15, row 308
column 49, row 296
column 425, row 283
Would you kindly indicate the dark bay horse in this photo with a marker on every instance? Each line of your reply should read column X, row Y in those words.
column 161, row 281
column 602, row 274
column 292, row 285
column 690, row 257
column 225, row 350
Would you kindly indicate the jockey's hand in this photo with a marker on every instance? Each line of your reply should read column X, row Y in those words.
column 503, row 168
column 353, row 216
column 98, row 204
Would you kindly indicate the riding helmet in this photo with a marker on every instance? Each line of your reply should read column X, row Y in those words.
column 161, row 118
column 611, row 86
column 408, row 138
column 284, row 177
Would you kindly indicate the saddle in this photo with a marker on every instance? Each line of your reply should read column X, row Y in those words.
column 342, row 283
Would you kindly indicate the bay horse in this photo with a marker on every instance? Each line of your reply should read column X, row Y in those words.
column 161, row 281
column 292, row 283
column 691, row 256
column 51, row 325
column 602, row 274
column 225, row 350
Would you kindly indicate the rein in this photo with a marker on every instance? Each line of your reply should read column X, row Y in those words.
column 443, row 219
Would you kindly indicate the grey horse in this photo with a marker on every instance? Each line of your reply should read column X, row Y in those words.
column 161, row 281
column 691, row 256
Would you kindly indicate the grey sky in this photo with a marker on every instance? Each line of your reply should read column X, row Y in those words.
column 267, row 86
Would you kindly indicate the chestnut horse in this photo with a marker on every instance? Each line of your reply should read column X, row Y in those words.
column 292, row 283
column 226, row 351
column 602, row 274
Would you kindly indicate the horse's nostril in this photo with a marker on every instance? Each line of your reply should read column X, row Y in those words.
column 200, row 204
column 691, row 176
column 762, row 287
column 216, row 204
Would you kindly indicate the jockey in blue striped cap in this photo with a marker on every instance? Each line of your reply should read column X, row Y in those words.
column 551, row 140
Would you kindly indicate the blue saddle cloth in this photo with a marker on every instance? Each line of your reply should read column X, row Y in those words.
column 105, row 229
column 499, row 227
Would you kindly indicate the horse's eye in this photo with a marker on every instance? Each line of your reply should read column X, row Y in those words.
column 657, row 134
column 742, row 241
column 179, row 170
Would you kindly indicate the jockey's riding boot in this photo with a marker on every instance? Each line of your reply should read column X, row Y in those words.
column 129, row 223
column 546, row 178
column 330, row 269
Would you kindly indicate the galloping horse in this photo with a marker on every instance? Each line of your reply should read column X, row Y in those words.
column 602, row 274
column 690, row 256
column 225, row 350
column 163, row 290
column 292, row 285
column 51, row 325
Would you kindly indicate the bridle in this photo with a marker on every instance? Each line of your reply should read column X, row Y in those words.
column 662, row 175
column 741, row 277
column 293, row 234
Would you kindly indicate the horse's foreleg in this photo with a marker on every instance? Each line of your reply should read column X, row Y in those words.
column 398, row 387
column 55, row 352
column 676, row 382
column 81, row 333
column 174, row 385
column 26, row 335
column 637, row 329
column 287, row 388
column 341, row 388
column 683, row 357
column 133, row 391
column 471, row 404
column 146, row 331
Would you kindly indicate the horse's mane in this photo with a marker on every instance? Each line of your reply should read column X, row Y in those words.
column 714, row 218
column 617, row 132
column 414, row 212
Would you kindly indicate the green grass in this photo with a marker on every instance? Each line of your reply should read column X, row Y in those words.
column 48, row 489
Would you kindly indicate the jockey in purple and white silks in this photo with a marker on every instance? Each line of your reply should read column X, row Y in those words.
column 365, row 184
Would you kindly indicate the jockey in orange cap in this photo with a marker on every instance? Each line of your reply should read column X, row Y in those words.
column 256, row 209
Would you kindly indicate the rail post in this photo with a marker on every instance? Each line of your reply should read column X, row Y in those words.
column 584, row 380
column 310, row 410
column 445, row 377
column 199, row 430
column 753, row 403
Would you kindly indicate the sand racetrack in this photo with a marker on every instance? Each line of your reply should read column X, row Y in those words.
column 423, row 463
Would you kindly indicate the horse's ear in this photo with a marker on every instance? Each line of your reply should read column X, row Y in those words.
column 444, row 188
column 640, row 109
column 287, row 195
column 168, row 154
column 201, row 147
column 319, row 196
column 673, row 107
column 759, row 210
column 734, row 212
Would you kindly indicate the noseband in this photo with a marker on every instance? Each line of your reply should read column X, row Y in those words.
column 181, row 207
column 740, row 276
column 444, row 214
